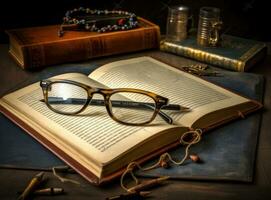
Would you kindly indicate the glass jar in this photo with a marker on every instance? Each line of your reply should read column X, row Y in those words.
column 177, row 23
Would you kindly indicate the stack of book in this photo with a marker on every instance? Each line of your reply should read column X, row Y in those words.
column 234, row 53
column 36, row 47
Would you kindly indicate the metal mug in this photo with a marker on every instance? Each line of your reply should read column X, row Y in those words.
column 177, row 22
column 209, row 26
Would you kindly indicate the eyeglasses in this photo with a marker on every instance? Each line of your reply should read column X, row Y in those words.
column 124, row 105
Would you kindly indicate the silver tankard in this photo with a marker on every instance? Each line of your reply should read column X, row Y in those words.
column 177, row 21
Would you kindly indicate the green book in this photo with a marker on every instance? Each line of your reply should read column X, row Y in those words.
column 234, row 53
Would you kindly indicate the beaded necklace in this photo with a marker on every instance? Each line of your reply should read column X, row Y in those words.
column 98, row 20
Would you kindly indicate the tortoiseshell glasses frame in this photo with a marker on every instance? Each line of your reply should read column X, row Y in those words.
column 159, row 101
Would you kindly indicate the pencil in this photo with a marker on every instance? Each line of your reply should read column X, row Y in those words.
column 31, row 186
column 147, row 184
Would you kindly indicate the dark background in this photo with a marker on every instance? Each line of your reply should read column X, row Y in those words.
column 245, row 18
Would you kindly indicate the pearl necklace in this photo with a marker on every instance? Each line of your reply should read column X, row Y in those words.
column 79, row 18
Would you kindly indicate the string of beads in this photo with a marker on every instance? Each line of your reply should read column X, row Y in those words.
column 79, row 16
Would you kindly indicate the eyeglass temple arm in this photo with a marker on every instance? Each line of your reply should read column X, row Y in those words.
column 117, row 103
column 163, row 115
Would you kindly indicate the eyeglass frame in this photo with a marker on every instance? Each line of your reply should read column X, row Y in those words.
column 160, row 101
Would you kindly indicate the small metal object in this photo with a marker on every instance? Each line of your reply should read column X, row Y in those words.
column 201, row 70
column 199, row 66
column 49, row 191
column 177, row 21
column 192, row 70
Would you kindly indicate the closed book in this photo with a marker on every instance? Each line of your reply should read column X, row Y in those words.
column 100, row 148
column 234, row 53
column 35, row 47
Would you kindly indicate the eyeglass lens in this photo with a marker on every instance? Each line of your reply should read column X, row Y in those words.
column 127, row 107
column 67, row 98
column 132, row 108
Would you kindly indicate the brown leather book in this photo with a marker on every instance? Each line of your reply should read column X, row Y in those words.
column 41, row 46
column 100, row 148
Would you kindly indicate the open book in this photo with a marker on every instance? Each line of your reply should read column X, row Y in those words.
column 100, row 148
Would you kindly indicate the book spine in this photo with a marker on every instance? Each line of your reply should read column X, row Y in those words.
column 227, row 63
column 45, row 54
column 33, row 56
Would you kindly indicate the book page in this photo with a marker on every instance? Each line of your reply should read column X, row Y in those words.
column 181, row 88
column 92, row 138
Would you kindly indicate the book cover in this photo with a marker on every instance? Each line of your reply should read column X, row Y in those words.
column 100, row 148
column 35, row 47
column 234, row 53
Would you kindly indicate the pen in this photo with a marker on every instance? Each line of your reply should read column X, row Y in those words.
column 31, row 186
column 147, row 184
column 131, row 195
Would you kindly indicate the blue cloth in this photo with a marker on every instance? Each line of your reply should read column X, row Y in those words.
column 228, row 152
